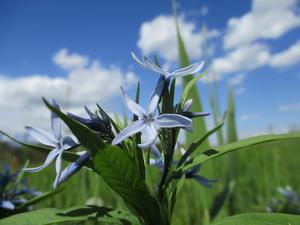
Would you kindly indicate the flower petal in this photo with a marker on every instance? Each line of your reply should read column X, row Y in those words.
column 132, row 105
column 187, row 105
column 137, row 60
column 204, row 181
column 51, row 156
column 56, row 122
column 156, row 95
column 42, row 136
column 132, row 129
column 154, row 67
column 58, row 168
column 191, row 69
column 89, row 112
column 7, row 205
column 149, row 135
column 172, row 120
column 73, row 167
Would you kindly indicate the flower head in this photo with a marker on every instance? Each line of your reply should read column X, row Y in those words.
column 56, row 140
column 148, row 64
column 11, row 191
column 148, row 122
column 101, row 126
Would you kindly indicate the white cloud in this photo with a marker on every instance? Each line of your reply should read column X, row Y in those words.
column 288, row 57
column 70, row 61
column 241, row 59
column 86, row 83
column 159, row 35
column 289, row 107
column 268, row 19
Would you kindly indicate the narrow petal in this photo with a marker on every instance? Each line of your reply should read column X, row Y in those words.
column 191, row 69
column 149, row 135
column 204, row 181
column 42, row 136
column 132, row 105
column 56, row 122
column 172, row 120
column 156, row 95
column 72, row 168
column 7, row 205
column 187, row 105
column 89, row 112
column 58, row 168
column 154, row 67
column 138, row 61
column 132, row 129
column 51, row 156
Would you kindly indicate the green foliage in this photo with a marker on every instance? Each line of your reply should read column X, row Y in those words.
column 238, row 145
column 260, row 219
column 231, row 126
column 76, row 214
column 199, row 123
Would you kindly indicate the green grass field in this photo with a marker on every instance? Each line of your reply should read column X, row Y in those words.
column 259, row 171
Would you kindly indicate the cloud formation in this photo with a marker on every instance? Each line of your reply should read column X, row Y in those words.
column 86, row 82
column 267, row 20
column 159, row 36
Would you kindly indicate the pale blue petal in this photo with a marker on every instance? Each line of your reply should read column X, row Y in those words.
column 132, row 105
column 7, row 205
column 138, row 61
column 51, row 156
column 72, row 168
column 172, row 120
column 156, row 95
column 56, row 122
column 58, row 168
column 132, row 129
column 154, row 67
column 42, row 136
column 191, row 69
column 149, row 135
column 187, row 105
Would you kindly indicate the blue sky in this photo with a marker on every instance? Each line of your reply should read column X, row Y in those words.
column 79, row 53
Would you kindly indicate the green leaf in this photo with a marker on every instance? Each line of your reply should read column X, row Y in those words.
column 121, row 173
column 260, row 219
column 231, row 126
column 52, row 215
column 193, row 147
column 199, row 126
column 38, row 199
column 238, row 145
column 118, row 170
column 68, row 156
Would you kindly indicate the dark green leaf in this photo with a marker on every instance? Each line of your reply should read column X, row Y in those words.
column 77, row 214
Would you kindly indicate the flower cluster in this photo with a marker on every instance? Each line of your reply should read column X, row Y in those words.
column 11, row 192
column 149, row 122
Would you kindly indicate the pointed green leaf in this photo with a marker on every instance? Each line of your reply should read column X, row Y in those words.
column 231, row 126
column 199, row 126
column 238, row 145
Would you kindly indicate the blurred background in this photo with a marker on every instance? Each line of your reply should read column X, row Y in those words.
column 78, row 52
